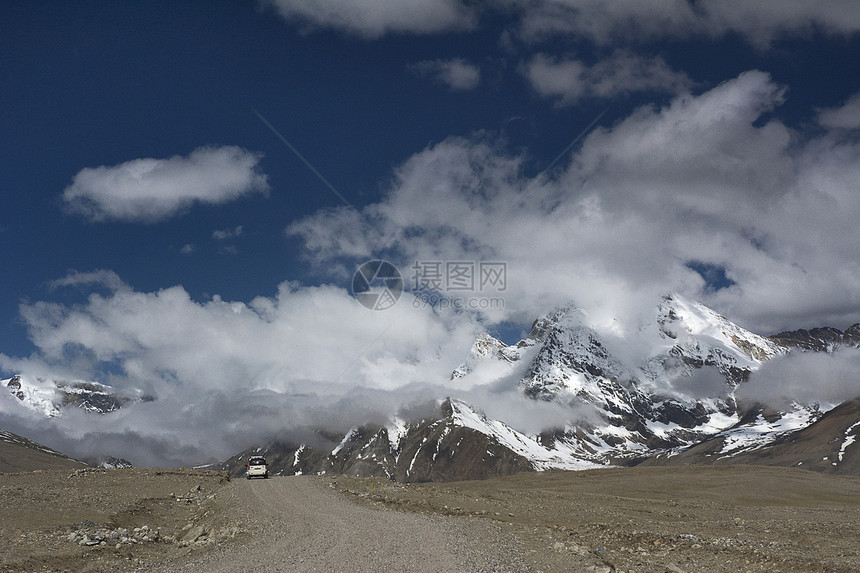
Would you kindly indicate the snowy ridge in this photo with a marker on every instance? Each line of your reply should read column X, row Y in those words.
column 112, row 463
column 50, row 397
column 705, row 329
column 543, row 458
column 695, row 337
column 675, row 393
column 485, row 345
column 761, row 432
column 34, row 395
column 490, row 360
column 347, row 437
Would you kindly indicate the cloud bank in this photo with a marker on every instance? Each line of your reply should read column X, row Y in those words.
column 805, row 378
column 226, row 373
column 703, row 182
column 149, row 190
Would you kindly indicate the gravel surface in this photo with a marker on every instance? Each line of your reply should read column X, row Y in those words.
column 95, row 520
column 686, row 519
column 303, row 524
column 633, row 520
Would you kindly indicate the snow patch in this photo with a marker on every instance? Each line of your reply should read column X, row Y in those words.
column 397, row 430
column 760, row 432
column 349, row 435
column 848, row 440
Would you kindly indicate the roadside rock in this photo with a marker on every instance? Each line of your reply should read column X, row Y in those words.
column 194, row 534
column 119, row 536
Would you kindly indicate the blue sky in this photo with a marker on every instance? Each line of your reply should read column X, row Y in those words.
column 144, row 174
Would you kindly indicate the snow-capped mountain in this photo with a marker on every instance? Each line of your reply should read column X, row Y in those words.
column 50, row 397
column 827, row 444
column 660, row 391
column 461, row 443
column 668, row 385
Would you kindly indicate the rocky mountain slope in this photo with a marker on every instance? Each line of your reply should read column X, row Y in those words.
column 459, row 444
column 18, row 454
column 824, row 339
column 826, row 445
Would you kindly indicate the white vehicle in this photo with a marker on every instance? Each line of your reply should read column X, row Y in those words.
column 257, row 467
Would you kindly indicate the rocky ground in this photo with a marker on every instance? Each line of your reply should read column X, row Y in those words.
column 107, row 520
column 689, row 519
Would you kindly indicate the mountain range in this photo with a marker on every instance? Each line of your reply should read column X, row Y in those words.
column 669, row 392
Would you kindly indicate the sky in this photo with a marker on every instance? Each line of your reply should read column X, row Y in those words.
column 188, row 189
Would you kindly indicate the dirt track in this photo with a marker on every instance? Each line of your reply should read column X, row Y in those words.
column 302, row 524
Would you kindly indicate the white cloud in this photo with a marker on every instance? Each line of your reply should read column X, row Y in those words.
column 309, row 339
column 101, row 277
column 805, row 378
column 149, row 190
column 380, row 17
column 701, row 179
column 228, row 375
column 760, row 22
column 623, row 73
column 846, row 116
column 223, row 234
column 603, row 22
column 304, row 357
column 763, row 21
column 457, row 74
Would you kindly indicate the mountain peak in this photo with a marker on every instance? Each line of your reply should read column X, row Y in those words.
column 685, row 320
column 566, row 315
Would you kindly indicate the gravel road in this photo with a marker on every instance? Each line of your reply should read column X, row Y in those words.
column 302, row 524
column 728, row 519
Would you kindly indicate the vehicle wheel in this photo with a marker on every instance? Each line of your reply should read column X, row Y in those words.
column 249, row 477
